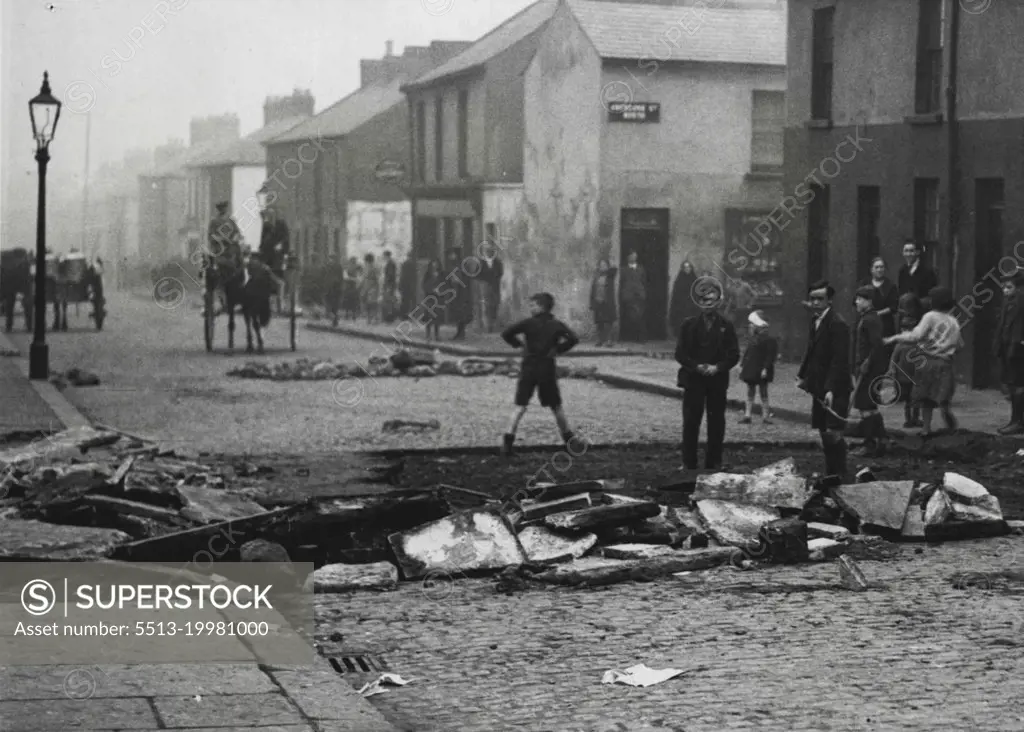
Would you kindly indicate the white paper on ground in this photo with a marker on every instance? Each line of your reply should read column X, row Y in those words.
column 374, row 687
column 640, row 675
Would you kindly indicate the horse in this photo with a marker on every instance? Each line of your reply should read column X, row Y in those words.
column 15, row 279
column 247, row 286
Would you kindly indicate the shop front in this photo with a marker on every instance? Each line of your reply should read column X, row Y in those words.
column 751, row 264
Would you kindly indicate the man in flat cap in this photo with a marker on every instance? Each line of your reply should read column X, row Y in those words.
column 1008, row 348
column 706, row 350
column 825, row 375
column 870, row 362
column 225, row 238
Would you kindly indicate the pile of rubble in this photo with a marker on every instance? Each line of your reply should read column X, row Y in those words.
column 588, row 533
column 400, row 364
column 98, row 493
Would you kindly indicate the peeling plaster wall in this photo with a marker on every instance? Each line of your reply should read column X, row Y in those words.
column 693, row 162
column 374, row 227
column 504, row 207
column 562, row 164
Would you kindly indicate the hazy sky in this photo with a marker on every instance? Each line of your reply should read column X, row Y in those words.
column 142, row 77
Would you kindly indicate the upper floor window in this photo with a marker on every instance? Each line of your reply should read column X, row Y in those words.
column 421, row 142
column 821, row 64
column 929, row 57
column 463, row 133
column 439, row 138
column 767, row 122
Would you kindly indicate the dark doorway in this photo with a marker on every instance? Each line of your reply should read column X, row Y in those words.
column 817, row 234
column 988, row 250
column 645, row 231
column 869, row 209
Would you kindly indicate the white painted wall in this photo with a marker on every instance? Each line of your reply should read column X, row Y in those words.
column 245, row 181
column 375, row 226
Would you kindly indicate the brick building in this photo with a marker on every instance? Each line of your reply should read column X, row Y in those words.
column 337, row 176
column 875, row 152
column 582, row 128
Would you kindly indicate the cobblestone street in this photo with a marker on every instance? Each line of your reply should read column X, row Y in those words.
column 167, row 387
column 786, row 649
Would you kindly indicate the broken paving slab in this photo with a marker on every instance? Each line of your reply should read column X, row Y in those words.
column 25, row 540
column 882, row 503
column 532, row 510
column 822, row 549
column 827, row 531
column 544, row 546
column 637, row 551
column 57, row 447
column 595, row 571
column 465, row 541
column 771, row 489
column 599, row 516
column 733, row 523
column 333, row 578
column 962, row 489
column 206, row 506
column 781, row 469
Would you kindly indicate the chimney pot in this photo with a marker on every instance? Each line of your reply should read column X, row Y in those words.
column 389, row 46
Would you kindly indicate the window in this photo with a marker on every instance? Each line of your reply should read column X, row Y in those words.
column 869, row 207
column 821, row 65
column 439, row 138
column 337, row 243
column 926, row 215
column 929, row 57
column 817, row 234
column 426, row 238
column 768, row 120
column 421, row 142
column 468, row 245
column 464, row 133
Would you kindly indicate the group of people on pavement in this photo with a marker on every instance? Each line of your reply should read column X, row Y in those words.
column 609, row 289
column 901, row 347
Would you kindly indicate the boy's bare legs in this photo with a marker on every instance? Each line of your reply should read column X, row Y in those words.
column 510, row 436
column 766, row 409
column 563, row 423
column 748, row 410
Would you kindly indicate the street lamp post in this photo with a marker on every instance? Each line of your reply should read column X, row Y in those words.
column 44, row 111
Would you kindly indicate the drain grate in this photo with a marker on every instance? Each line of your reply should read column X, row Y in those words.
column 357, row 664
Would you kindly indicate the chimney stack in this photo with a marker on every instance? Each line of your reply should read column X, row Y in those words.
column 389, row 47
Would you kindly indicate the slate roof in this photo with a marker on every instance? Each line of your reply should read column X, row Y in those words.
column 344, row 115
column 506, row 35
column 248, row 150
column 633, row 31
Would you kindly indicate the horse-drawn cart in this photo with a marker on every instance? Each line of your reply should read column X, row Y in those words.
column 245, row 289
column 73, row 278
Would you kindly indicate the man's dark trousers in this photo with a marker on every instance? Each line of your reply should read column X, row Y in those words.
column 704, row 393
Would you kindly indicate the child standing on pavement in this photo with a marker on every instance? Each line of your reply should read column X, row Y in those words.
column 546, row 337
column 757, row 369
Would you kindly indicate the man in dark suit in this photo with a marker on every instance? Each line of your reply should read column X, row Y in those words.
column 915, row 276
column 825, row 375
column 707, row 349
column 1008, row 349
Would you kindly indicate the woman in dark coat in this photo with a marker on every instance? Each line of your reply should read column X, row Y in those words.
column 602, row 301
column 681, row 305
column 460, row 309
column 886, row 299
column 432, row 279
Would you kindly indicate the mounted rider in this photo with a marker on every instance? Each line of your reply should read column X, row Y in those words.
column 224, row 239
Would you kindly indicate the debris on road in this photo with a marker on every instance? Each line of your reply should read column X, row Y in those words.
column 414, row 365
column 850, row 575
column 346, row 577
column 640, row 675
column 397, row 425
column 545, row 546
column 732, row 523
column 597, row 516
column 373, row 688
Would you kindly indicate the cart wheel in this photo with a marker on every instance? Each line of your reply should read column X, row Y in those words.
column 208, row 317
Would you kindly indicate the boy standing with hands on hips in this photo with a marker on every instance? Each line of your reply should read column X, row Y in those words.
column 546, row 337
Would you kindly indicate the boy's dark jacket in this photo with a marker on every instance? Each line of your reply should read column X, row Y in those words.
column 826, row 364
column 762, row 351
column 869, row 355
column 724, row 344
column 546, row 337
column 1011, row 318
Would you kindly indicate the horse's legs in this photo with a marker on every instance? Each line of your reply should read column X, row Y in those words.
column 259, row 333
column 248, row 329
column 64, row 314
column 231, row 323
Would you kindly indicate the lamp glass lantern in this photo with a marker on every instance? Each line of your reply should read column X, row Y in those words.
column 44, row 111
